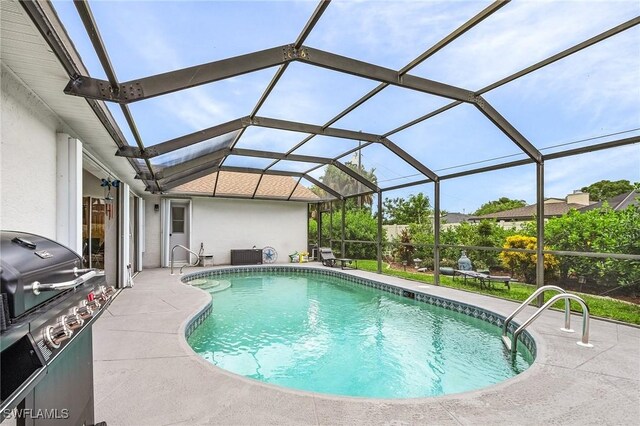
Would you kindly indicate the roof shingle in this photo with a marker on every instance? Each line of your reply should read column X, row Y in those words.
column 244, row 184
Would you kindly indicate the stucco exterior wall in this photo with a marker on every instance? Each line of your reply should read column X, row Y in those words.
column 225, row 224
column 152, row 233
column 27, row 160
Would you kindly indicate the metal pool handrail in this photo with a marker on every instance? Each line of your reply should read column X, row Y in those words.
column 585, row 319
column 567, row 309
column 190, row 253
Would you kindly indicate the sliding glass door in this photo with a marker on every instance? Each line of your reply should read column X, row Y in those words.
column 94, row 211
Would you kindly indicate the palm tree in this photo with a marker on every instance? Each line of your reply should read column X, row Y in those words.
column 344, row 184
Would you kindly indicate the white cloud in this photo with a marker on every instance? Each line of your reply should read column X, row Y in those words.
column 388, row 33
column 562, row 176
column 520, row 34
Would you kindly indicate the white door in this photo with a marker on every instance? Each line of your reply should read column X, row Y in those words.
column 179, row 230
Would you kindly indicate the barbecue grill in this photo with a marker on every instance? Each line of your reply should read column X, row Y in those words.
column 49, row 303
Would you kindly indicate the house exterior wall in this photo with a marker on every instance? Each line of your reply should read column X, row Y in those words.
column 581, row 198
column 152, row 233
column 226, row 224
column 27, row 160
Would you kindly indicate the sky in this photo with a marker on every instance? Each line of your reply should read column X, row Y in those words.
column 590, row 97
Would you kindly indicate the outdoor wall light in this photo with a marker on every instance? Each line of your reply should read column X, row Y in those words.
column 107, row 184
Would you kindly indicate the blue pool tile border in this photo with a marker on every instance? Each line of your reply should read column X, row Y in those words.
column 197, row 320
column 470, row 310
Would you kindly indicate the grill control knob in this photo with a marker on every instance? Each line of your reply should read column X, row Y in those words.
column 83, row 310
column 101, row 294
column 93, row 305
column 56, row 334
column 73, row 321
column 110, row 290
column 104, row 293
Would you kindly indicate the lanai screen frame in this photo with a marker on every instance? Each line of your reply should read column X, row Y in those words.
column 95, row 91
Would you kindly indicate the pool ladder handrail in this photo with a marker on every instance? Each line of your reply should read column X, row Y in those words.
column 186, row 264
column 566, row 296
column 567, row 309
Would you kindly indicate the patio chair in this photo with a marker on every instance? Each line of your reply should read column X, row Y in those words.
column 465, row 268
column 326, row 257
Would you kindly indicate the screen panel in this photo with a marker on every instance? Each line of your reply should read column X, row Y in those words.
column 201, row 186
column 400, row 29
column 519, row 35
column 381, row 165
column 276, row 187
column 239, row 184
column 193, row 151
column 461, row 138
column 191, row 110
column 306, row 191
column 313, row 95
column 139, row 43
column 585, row 99
column 265, row 139
column 251, row 162
column 389, row 109
column 325, row 146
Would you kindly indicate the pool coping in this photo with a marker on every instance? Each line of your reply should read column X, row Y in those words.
column 563, row 378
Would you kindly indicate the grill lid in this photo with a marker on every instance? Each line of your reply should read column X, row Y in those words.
column 26, row 258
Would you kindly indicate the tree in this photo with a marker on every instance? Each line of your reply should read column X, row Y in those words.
column 487, row 233
column 606, row 189
column 600, row 230
column 345, row 185
column 417, row 209
column 360, row 225
column 403, row 251
column 499, row 205
column 423, row 238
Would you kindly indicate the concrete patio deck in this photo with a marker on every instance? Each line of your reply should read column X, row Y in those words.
column 146, row 374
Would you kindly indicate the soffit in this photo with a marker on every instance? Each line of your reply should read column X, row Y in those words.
column 25, row 53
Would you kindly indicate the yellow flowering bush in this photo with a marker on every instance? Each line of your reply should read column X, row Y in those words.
column 523, row 264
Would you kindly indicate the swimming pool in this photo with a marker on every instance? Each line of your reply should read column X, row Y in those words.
column 321, row 333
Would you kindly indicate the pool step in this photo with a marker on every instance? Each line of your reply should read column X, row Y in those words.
column 220, row 286
column 212, row 286
column 507, row 342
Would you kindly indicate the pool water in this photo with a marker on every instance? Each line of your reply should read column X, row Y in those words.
column 323, row 334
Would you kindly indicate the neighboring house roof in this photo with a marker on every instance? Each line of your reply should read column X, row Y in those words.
column 556, row 207
column 529, row 212
column 234, row 184
column 456, row 217
column 619, row 202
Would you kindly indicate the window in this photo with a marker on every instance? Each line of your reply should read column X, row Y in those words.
column 177, row 219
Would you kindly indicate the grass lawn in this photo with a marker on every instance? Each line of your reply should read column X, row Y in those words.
column 599, row 306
